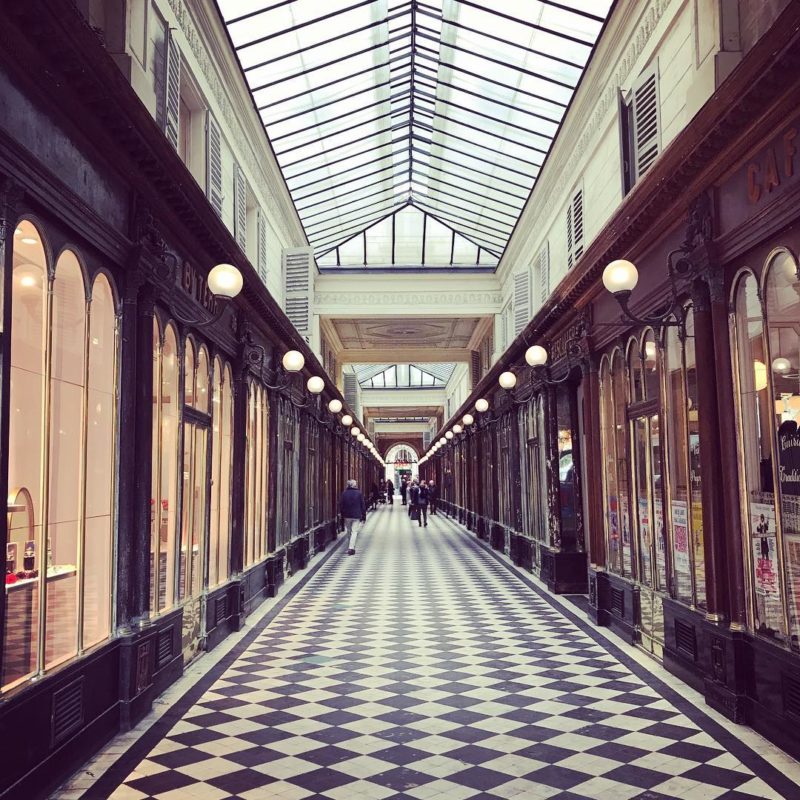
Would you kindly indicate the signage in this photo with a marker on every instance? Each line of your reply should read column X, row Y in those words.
column 196, row 286
column 571, row 335
column 773, row 165
column 789, row 458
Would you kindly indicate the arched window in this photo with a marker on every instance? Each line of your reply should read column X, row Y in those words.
column 61, row 448
column 256, row 473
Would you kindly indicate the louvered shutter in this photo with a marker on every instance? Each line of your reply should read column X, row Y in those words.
column 426, row 440
column 240, row 207
column 172, row 91
column 475, row 367
column 214, row 163
column 575, row 229
column 544, row 273
column 350, row 392
column 522, row 300
column 297, row 264
column 645, row 128
column 261, row 256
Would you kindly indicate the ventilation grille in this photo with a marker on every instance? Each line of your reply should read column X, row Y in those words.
column 645, row 124
column 617, row 602
column 685, row 639
column 791, row 695
column 221, row 609
column 67, row 714
column 164, row 652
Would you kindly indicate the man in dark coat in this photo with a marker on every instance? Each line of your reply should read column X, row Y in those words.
column 433, row 496
column 353, row 509
column 389, row 491
column 421, row 500
column 403, row 489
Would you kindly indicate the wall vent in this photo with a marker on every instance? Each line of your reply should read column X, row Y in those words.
column 164, row 651
column 791, row 696
column 221, row 609
column 67, row 712
column 685, row 639
column 617, row 602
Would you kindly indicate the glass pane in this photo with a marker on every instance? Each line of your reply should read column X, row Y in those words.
column 203, row 382
column 214, row 533
column 656, row 476
column 695, row 477
column 611, row 490
column 67, row 384
column 227, row 476
column 757, row 466
column 783, row 315
column 620, row 387
column 568, row 500
column 678, row 467
column 199, row 499
column 168, row 469
column 26, row 426
column 650, row 366
column 100, row 445
column 644, row 524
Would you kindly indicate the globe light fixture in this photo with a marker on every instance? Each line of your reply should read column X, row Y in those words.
column 620, row 276
column 293, row 361
column 355, row 431
column 536, row 356
column 468, row 419
column 508, row 380
column 449, row 435
column 335, row 406
column 457, row 429
column 781, row 365
column 315, row 384
column 442, row 442
column 225, row 280
column 361, row 437
column 481, row 405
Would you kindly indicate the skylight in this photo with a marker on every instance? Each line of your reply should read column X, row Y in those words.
column 403, row 376
column 444, row 107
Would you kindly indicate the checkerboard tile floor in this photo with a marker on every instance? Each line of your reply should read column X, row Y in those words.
column 424, row 668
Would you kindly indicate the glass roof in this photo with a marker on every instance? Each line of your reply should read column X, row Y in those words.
column 403, row 376
column 447, row 106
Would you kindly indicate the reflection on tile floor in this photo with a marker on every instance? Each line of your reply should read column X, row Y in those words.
column 422, row 667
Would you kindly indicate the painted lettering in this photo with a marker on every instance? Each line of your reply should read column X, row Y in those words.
column 789, row 151
column 753, row 187
column 771, row 178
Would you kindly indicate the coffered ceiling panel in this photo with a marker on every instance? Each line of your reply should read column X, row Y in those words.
column 404, row 333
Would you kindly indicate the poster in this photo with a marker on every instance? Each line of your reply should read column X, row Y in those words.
column 792, row 544
column 789, row 458
column 766, row 578
column 680, row 535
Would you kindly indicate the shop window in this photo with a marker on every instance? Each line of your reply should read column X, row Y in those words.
column 767, row 356
column 256, row 474
column 61, row 460
column 287, row 513
column 164, row 499
column 569, row 501
column 221, row 469
column 683, row 463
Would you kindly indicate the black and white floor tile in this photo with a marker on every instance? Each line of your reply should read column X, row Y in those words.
column 423, row 667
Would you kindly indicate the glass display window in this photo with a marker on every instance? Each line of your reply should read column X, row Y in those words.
column 767, row 370
column 61, row 451
column 221, row 474
column 256, row 474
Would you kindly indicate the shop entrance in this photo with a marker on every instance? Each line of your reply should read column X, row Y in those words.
column 193, row 534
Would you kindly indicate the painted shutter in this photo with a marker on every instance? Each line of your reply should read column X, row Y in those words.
column 522, row 300
column 426, row 440
column 475, row 367
column 350, row 392
column 261, row 257
column 646, row 138
column 507, row 323
column 240, row 207
column 172, row 93
column 575, row 229
column 544, row 273
column 213, row 163
column 297, row 265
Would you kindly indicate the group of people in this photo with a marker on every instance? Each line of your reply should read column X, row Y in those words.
column 417, row 494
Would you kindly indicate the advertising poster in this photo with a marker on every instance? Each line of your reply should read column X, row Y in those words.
column 680, row 535
column 793, row 569
column 766, row 578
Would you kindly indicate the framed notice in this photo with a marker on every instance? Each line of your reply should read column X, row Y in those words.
column 680, row 535
column 766, row 577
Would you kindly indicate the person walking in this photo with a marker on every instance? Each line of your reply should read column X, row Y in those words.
column 413, row 493
column 389, row 491
column 353, row 509
column 403, row 489
column 423, row 497
column 433, row 496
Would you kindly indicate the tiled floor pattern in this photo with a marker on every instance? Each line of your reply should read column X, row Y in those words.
column 423, row 668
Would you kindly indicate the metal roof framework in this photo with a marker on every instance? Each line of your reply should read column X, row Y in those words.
column 425, row 110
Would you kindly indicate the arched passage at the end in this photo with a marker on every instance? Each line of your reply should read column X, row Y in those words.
column 401, row 459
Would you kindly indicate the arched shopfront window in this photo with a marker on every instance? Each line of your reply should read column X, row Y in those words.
column 256, row 473
column 62, row 440
column 221, row 469
column 767, row 363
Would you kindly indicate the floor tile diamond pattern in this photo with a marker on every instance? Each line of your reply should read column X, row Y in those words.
column 423, row 668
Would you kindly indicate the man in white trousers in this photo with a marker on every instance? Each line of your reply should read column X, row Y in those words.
column 353, row 509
